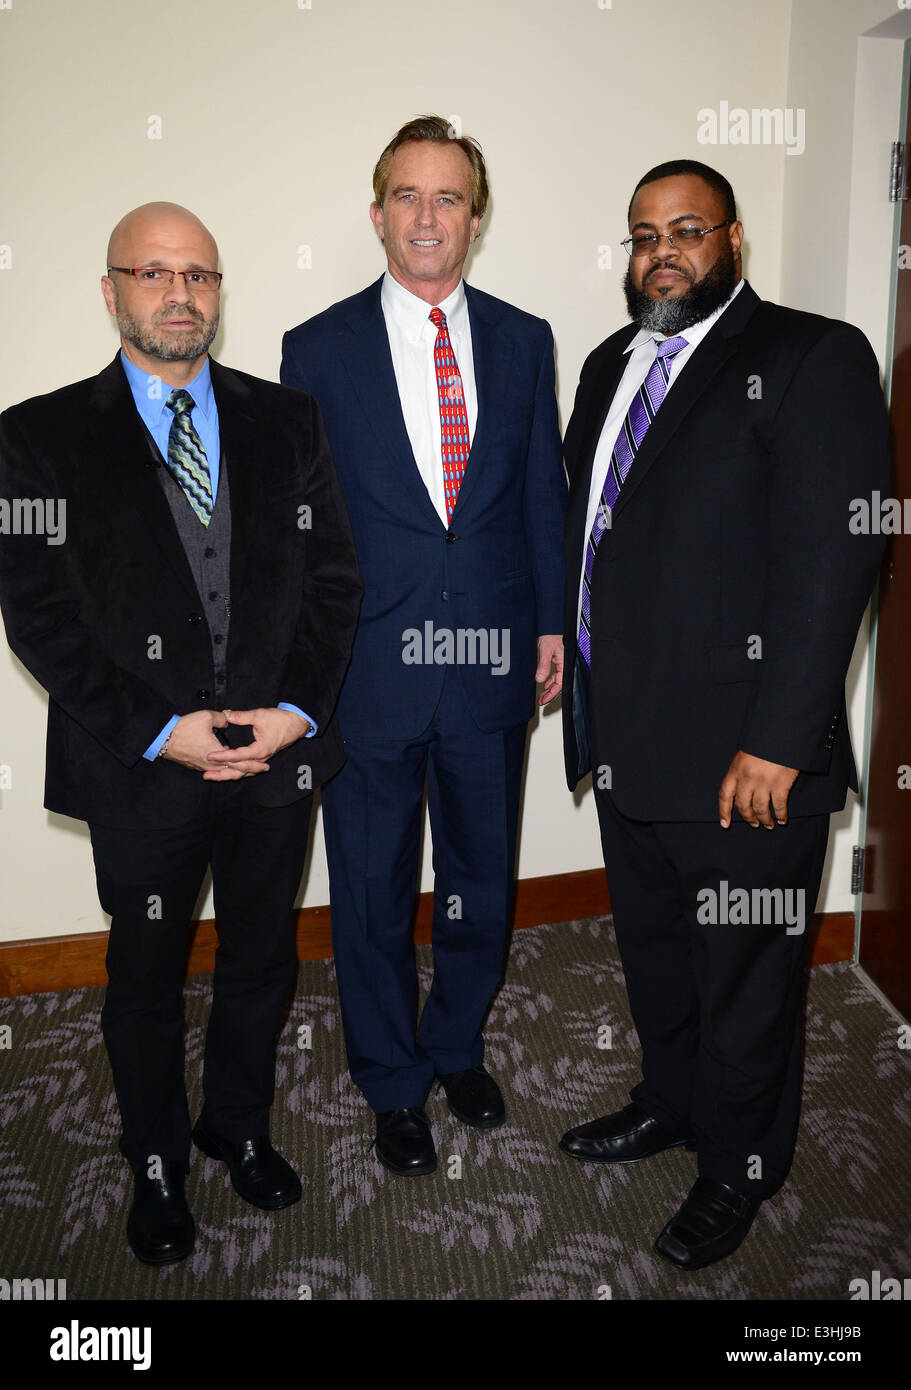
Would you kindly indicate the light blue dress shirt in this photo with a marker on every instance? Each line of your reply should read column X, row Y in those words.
column 151, row 396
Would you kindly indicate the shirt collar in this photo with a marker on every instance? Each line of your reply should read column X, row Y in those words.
column 694, row 333
column 151, row 393
column 412, row 314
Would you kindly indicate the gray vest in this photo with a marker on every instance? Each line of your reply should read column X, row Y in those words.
column 208, row 550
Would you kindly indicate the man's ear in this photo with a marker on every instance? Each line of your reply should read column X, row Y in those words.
column 110, row 294
column 376, row 217
column 735, row 232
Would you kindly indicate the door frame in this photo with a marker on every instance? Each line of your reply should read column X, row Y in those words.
column 864, row 771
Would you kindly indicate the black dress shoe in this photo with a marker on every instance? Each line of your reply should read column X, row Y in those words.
column 258, row 1172
column 711, row 1224
column 403, row 1141
column 160, row 1226
column 623, row 1137
column 474, row 1096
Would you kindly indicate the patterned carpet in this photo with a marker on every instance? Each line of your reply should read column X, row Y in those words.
column 506, row 1216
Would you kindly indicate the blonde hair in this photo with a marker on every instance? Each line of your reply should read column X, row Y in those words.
column 438, row 130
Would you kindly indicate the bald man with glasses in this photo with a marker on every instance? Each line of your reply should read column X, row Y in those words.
column 192, row 632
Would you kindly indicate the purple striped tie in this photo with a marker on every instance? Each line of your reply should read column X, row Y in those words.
column 638, row 418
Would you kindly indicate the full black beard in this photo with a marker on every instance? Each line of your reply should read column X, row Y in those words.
column 672, row 314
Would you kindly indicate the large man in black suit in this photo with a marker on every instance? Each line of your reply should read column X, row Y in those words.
column 714, row 593
column 192, row 632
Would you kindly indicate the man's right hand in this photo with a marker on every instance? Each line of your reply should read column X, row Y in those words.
column 192, row 739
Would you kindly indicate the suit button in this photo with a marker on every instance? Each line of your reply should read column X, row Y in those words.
column 450, row 538
column 218, row 638
column 194, row 619
column 444, row 596
column 203, row 695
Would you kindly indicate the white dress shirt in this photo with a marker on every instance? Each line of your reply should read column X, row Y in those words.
column 411, row 339
column 641, row 352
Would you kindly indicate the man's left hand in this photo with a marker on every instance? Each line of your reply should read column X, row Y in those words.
column 273, row 729
column 550, row 667
column 751, row 784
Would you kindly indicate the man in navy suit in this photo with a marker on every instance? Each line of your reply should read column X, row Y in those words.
column 440, row 409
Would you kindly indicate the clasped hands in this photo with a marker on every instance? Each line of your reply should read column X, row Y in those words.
column 193, row 742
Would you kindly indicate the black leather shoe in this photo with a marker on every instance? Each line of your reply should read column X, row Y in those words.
column 623, row 1137
column 258, row 1172
column 711, row 1224
column 403, row 1141
column 160, row 1226
column 474, row 1096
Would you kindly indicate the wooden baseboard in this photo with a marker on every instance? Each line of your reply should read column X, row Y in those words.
column 45, row 964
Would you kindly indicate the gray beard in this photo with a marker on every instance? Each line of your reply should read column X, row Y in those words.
column 672, row 314
column 182, row 348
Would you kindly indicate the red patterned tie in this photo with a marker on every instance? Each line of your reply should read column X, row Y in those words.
column 454, row 440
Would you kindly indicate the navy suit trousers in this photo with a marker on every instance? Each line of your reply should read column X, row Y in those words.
column 372, row 815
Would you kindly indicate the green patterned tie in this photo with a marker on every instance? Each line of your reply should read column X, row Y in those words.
column 187, row 458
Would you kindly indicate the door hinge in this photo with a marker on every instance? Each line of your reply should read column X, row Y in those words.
column 898, row 172
column 858, row 860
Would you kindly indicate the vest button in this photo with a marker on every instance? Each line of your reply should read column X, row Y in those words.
column 218, row 637
column 213, row 595
column 208, row 552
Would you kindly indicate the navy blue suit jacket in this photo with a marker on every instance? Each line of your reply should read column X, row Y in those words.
column 500, row 564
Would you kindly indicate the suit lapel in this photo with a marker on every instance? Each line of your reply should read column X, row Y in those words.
column 243, row 438
column 368, row 360
column 593, row 410
column 123, row 451
column 492, row 351
column 716, row 348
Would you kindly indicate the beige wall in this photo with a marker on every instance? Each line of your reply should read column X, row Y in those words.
column 271, row 117
column 845, row 67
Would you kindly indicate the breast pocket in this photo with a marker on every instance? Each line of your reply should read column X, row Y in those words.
column 731, row 663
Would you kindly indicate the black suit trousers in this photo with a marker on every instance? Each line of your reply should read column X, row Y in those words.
column 149, row 881
column 712, row 927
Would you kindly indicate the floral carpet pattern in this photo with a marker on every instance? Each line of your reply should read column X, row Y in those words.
column 506, row 1216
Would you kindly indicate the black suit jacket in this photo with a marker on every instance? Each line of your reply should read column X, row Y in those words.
column 83, row 616
column 732, row 525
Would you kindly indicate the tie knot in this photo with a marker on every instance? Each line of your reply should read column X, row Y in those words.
column 670, row 346
column 180, row 402
column 438, row 317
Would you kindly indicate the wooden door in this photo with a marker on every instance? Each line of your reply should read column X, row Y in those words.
column 885, row 923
